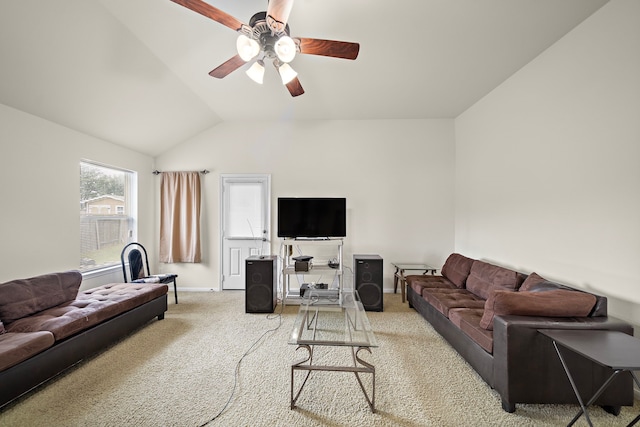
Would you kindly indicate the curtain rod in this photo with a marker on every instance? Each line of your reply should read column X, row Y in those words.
column 204, row 172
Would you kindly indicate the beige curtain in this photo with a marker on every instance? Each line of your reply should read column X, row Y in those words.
column 180, row 217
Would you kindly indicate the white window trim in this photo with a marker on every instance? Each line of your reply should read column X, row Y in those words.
column 133, row 207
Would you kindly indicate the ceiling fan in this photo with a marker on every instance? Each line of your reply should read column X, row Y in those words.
column 267, row 37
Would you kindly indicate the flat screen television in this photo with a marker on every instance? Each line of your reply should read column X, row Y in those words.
column 312, row 217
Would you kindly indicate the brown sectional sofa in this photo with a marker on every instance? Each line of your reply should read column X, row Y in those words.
column 47, row 325
column 491, row 316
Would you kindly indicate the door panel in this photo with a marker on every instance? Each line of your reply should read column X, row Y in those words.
column 235, row 259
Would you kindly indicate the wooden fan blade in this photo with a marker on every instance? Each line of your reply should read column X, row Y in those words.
column 211, row 12
column 295, row 88
column 335, row 49
column 278, row 12
column 228, row 67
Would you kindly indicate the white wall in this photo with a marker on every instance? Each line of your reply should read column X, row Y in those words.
column 548, row 174
column 397, row 176
column 40, row 196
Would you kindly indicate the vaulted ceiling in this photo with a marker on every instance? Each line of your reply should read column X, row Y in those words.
column 135, row 72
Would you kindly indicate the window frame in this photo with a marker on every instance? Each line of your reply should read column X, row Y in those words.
column 130, row 214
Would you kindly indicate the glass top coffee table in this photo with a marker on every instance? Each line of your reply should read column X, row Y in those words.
column 336, row 320
column 401, row 267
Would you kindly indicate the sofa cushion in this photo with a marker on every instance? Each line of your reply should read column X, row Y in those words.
column 554, row 303
column 468, row 320
column 15, row 348
column 90, row 308
column 23, row 297
column 418, row 282
column 456, row 268
column 485, row 278
column 444, row 300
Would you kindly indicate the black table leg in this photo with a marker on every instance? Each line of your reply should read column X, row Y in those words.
column 583, row 406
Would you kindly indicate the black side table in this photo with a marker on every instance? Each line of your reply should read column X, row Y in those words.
column 613, row 349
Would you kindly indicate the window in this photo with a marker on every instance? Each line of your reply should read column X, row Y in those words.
column 107, row 214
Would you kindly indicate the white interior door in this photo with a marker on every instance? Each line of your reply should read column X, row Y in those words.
column 245, row 224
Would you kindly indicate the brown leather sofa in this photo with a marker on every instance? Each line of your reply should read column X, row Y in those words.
column 491, row 315
column 47, row 326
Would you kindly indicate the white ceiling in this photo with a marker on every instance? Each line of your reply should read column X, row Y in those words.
column 135, row 72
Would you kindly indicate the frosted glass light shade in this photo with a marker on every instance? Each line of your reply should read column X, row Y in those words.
column 247, row 48
column 285, row 49
column 256, row 72
column 287, row 73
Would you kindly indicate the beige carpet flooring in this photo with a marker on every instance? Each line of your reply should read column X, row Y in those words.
column 181, row 372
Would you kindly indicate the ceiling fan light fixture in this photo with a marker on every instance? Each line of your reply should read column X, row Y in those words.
column 287, row 73
column 256, row 72
column 285, row 49
column 247, row 48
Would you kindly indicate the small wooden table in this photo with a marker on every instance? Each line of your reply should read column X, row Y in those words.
column 401, row 267
column 613, row 349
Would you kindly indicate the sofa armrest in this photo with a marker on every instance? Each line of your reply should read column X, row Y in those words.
column 527, row 367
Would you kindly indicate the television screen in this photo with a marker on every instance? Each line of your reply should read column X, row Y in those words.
column 312, row 217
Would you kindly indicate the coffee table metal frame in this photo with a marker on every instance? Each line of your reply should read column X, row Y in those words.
column 613, row 349
column 353, row 331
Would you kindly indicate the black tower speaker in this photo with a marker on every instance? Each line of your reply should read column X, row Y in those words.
column 368, row 281
column 260, row 289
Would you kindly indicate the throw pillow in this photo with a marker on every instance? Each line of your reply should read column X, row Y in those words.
column 535, row 283
column 553, row 303
column 2, row 331
column 531, row 280
column 23, row 297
